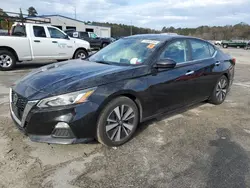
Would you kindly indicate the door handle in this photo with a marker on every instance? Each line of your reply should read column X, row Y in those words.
column 37, row 41
column 189, row 73
column 217, row 63
column 54, row 41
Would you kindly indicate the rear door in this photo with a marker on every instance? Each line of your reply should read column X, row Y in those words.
column 204, row 62
column 41, row 45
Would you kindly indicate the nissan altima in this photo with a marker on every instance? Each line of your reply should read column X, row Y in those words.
column 107, row 95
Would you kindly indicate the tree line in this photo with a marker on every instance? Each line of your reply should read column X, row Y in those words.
column 239, row 31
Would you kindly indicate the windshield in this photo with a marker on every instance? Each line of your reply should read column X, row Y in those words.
column 126, row 51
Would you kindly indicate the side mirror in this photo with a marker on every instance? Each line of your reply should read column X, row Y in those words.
column 66, row 37
column 165, row 63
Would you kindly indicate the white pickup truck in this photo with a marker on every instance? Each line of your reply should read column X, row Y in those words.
column 30, row 41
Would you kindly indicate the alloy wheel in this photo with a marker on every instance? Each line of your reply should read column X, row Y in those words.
column 5, row 61
column 120, row 123
column 221, row 89
column 81, row 55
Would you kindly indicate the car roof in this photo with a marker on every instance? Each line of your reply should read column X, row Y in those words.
column 163, row 37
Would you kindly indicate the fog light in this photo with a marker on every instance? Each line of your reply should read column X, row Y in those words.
column 62, row 130
column 62, row 125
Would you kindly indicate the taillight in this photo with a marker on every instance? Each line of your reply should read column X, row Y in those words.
column 233, row 60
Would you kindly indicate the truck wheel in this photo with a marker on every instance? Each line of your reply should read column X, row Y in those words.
column 80, row 54
column 7, row 60
column 238, row 47
column 104, row 45
column 224, row 46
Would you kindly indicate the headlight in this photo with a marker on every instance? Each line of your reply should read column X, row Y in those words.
column 66, row 99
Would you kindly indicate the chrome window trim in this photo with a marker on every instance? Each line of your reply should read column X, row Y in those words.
column 197, row 60
column 26, row 111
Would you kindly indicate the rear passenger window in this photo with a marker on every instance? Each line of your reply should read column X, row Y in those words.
column 177, row 51
column 39, row 31
column 200, row 49
column 211, row 49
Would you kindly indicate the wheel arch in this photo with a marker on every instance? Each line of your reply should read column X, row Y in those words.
column 11, row 50
column 81, row 48
column 125, row 93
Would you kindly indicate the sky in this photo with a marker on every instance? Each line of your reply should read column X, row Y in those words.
column 153, row 14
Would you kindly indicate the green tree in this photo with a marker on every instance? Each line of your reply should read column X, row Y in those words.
column 3, row 22
column 32, row 11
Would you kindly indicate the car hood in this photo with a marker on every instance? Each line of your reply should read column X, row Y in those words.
column 70, row 76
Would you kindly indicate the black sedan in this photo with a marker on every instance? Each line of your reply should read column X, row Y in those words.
column 107, row 95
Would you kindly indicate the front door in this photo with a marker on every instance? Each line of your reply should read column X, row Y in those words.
column 63, row 44
column 173, row 88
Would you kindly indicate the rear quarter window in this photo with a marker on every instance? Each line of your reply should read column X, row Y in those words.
column 212, row 50
column 200, row 49
column 18, row 30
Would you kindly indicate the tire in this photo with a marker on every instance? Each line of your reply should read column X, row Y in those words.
column 7, row 60
column 108, row 135
column 104, row 45
column 238, row 47
column 80, row 54
column 224, row 46
column 220, row 91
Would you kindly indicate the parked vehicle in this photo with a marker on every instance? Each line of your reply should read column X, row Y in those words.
column 95, row 41
column 247, row 46
column 218, row 42
column 233, row 43
column 39, row 42
column 131, row 80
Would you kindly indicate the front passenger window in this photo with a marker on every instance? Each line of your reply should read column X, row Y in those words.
column 55, row 33
column 177, row 51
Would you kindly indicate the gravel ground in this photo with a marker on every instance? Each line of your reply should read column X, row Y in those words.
column 202, row 146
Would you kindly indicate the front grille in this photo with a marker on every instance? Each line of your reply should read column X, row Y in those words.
column 18, row 104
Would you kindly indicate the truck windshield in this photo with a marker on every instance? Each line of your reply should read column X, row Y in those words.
column 126, row 51
column 18, row 30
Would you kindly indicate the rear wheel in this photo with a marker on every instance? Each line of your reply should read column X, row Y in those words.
column 238, row 47
column 220, row 91
column 7, row 60
column 117, row 122
column 80, row 54
column 224, row 46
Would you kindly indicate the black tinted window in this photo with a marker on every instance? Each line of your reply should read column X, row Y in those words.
column 200, row 49
column 84, row 34
column 39, row 31
column 177, row 51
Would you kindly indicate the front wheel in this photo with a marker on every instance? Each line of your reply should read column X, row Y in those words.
column 117, row 122
column 80, row 54
column 224, row 46
column 7, row 60
column 104, row 45
column 220, row 91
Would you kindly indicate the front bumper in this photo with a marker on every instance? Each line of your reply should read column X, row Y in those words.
column 40, row 125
